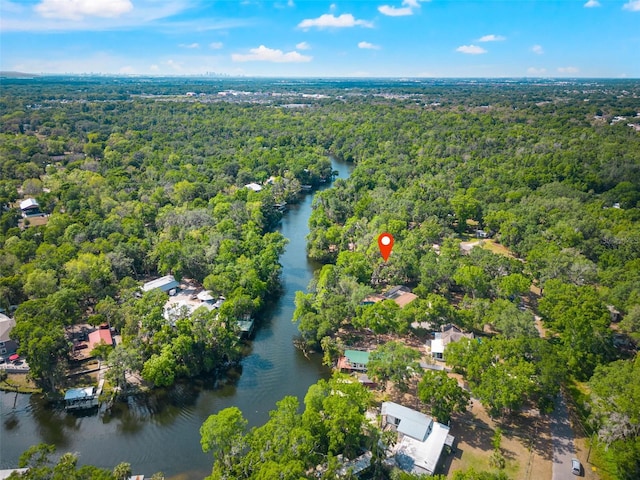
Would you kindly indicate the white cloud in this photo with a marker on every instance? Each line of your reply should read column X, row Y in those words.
column 395, row 12
column 492, row 38
column 407, row 9
column 331, row 21
column 216, row 45
column 265, row 54
column 303, row 46
column 78, row 9
column 592, row 4
column 189, row 45
column 154, row 68
column 471, row 49
column 368, row 46
column 632, row 6
column 156, row 13
column 537, row 49
column 43, row 17
column 127, row 70
column 568, row 70
column 536, row 71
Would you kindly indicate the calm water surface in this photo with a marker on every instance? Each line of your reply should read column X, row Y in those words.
column 160, row 432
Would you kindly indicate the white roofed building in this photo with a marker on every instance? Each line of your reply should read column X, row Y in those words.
column 30, row 206
column 29, row 203
column 420, row 439
column 187, row 301
column 165, row 284
column 174, row 310
column 253, row 186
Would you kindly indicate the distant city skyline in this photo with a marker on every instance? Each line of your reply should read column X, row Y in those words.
column 298, row 38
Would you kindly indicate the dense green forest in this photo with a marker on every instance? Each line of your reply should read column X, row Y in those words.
column 554, row 178
column 134, row 190
column 140, row 180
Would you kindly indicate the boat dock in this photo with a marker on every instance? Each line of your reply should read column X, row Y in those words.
column 83, row 398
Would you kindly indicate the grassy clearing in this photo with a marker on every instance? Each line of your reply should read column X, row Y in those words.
column 525, row 444
column 18, row 382
column 497, row 248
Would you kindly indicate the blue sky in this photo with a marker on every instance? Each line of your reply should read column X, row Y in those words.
column 382, row 38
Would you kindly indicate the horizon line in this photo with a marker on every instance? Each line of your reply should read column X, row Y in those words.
column 17, row 74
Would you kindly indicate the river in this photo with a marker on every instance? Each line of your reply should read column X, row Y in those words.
column 160, row 431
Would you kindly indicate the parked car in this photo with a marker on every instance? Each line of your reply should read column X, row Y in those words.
column 576, row 467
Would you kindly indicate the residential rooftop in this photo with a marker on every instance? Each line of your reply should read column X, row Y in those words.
column 166, row 283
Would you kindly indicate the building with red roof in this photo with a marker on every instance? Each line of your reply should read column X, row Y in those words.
column 98, row 336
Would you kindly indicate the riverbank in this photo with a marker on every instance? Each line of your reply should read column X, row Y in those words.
column 19, row 383
column 159, row 430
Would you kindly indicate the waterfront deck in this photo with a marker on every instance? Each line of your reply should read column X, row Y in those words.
column 83, row 398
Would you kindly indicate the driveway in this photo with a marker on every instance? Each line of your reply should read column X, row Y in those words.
column 562, row 440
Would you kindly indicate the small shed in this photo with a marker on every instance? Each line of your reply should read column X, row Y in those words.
column 246, row 327
column 365, row 381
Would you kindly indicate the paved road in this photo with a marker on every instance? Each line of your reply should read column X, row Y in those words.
column 562, row 440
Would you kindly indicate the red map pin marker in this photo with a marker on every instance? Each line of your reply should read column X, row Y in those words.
column 385, row 242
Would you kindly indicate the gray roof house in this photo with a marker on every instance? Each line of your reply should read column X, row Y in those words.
column 164, row 284
column 450, row 333
column 7, row 346
column 420, row 439
column 29, row 203
column 29, row 206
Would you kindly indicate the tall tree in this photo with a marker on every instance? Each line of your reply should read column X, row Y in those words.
column 442, row 395
column 394, row 361
column 222, row 434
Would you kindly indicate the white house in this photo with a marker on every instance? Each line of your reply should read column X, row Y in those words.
column 450, row 333
column 420, row 439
